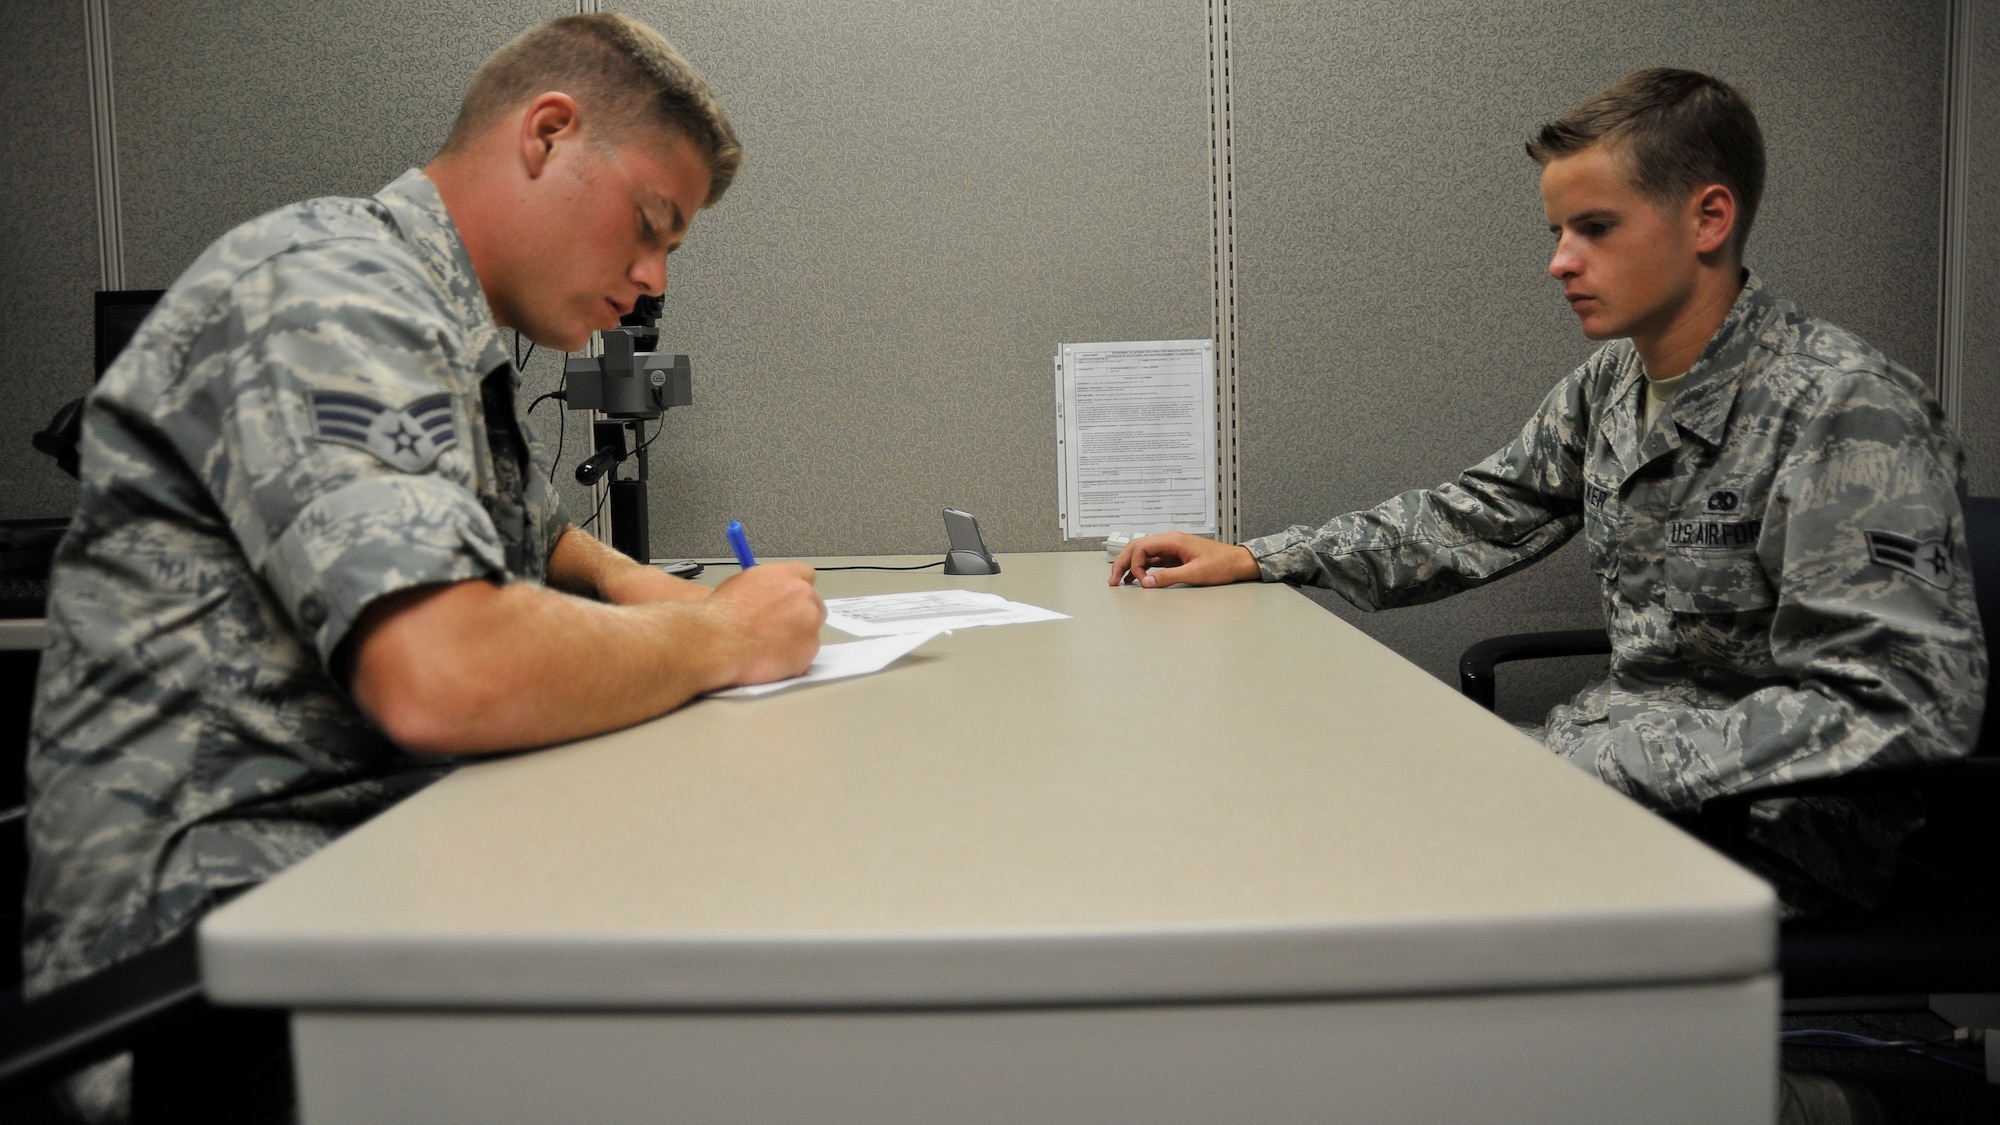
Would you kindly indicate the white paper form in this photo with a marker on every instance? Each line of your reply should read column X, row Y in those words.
column 839, row 662
column 881, row 615
column 1135, row 437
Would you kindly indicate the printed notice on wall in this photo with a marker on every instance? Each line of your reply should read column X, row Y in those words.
column 1135, row 437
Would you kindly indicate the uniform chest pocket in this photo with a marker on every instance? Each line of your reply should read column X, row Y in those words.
column 1601, row 532
column 1716, row 582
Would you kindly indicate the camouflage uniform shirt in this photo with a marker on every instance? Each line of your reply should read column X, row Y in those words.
column 320, row 411
column 1784, row 573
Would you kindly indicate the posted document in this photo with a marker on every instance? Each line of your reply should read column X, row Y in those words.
column 1135, row 437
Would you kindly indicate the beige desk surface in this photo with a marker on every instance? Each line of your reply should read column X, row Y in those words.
column 24, row 633
column 1177, row 794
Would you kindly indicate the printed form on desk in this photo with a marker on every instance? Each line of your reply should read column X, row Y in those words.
column 840, row 662
column 929, row 611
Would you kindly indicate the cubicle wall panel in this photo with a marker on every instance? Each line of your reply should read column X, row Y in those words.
column 934, row 197
column 48, row 243
column 1396, row 322
column 1979, row 418
column 225, row 112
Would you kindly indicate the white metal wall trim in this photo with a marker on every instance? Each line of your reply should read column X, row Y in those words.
column 1223, row 209
column 104, row 145
column 1952, row 217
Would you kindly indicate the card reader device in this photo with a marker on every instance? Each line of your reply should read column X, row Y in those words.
column 967, row 553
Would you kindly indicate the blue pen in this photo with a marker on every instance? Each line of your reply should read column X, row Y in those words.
column 740, row 543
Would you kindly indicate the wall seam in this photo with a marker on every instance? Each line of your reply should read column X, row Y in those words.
column 104, row 145
column 592, row 348
column 1952, row 216
column 1222, row 201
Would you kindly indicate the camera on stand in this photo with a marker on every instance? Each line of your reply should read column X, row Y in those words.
column 631, row 384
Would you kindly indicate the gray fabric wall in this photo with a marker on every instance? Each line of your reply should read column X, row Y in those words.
column 48, row 244
column 222, row 117
column 935, row 195
column 1396, row 319
column 1979, row 422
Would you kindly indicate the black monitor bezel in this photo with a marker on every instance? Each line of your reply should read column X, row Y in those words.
column 108, row 299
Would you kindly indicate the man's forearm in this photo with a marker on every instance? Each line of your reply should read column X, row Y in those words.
column 583, row 564
column 479, row 666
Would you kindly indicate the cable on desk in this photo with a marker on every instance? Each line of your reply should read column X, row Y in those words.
column 733, row 562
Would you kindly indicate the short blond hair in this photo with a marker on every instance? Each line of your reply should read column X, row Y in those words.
column 622, row 74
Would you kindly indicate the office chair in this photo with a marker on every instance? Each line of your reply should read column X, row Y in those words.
column 1939, row 932
column 151, row 1004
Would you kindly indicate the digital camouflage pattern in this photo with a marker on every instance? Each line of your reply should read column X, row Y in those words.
column 1784, row 570
column 320, row 411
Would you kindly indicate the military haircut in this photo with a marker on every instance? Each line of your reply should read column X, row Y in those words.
column 622, row 73
column 1680, row 130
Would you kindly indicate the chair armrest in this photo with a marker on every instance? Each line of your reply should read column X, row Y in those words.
column 1475, row 667
column 1727, row 817
column 1964, row 771
column 44, row 1039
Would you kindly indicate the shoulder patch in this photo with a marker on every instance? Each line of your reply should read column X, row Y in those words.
column 409, row 439
column 1926, row 560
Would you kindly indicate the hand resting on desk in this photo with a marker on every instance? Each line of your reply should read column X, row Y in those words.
column 1194, row 561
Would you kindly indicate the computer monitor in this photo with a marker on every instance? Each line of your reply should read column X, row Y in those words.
column 119, row 314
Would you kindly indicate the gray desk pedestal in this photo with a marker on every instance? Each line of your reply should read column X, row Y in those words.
column 1190, row 856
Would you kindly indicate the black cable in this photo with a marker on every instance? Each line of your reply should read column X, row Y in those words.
column 585, row 525
column 656, row 434
column 1835, row 1039
column 563, row 433
column 560, row 395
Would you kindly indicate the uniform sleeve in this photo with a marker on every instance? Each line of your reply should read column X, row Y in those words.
column 341, row 452
column 1875, row 632
column 1497, row 517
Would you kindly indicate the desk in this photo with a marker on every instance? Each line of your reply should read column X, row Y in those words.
column 1193, row 855
column 23, row 634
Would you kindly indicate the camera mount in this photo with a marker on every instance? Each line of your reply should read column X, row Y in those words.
column 631, row 384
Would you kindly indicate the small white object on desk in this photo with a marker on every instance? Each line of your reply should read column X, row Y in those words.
column 839, row 662
column 929, row 611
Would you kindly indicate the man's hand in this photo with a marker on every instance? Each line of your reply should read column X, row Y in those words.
column 771, row 614
column 1195, row 561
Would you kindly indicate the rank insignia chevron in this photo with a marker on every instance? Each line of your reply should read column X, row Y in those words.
column 1927, row 560
column 409, row 439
